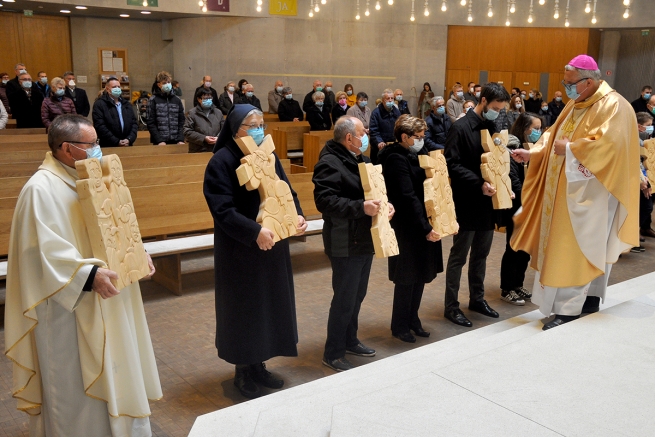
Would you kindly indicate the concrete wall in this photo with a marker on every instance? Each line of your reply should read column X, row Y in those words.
column 297, row 51
column 147, row 52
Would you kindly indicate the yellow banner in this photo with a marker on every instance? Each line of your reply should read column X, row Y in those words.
column 283, row 7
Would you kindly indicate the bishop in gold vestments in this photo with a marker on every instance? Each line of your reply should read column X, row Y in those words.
column 580, row 196
column 83, row 363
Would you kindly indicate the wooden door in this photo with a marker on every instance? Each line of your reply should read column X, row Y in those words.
column 526, row 80
column 502, row 77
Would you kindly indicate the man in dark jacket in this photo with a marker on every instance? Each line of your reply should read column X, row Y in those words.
column 347, row 239
column 400, row 102
column 249, row 97
column 77, row 95
column 113, row 117
column 26, row 103
column 556, row 106
column 383, row 120
column 207, row 87
column 14, row 84
column 166, row 114
column 289, row 109
column 473, row 206
column 639, row 105
column 308, row 102
column 438, row 125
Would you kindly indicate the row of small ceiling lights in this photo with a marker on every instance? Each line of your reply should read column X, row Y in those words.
column 81, row 8
column 511, row 8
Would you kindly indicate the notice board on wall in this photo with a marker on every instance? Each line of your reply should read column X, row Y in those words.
column 112, row 60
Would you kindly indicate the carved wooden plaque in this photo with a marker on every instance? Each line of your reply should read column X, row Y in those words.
column 495, row 167
column 110, row 219
column 438, row 194
column 649, row 162
column 384, row 237
column 277, row 211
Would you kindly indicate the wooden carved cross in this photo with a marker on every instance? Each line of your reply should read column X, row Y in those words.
column 438, row 195
column 495, row 167
column 277, row 211
column 110, row 219
column 384, row 237
column 649, row 162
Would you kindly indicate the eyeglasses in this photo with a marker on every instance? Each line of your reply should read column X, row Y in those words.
column 570, row 86
column 254, row 126
column 93, row 144
column 420, row 138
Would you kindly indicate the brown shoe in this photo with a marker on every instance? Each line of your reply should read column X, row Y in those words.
column 648, row 233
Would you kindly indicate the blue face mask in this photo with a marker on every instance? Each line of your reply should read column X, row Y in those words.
column 646, row 96
column 44, row 80
column 257, row 134
column 572, row 91
column 558, row 99
column 389, row 105
column 92, row 152
column 289, row 96
column 116, row 92
column 59, row 93
column 319, row 88
column 207, row 103
column 27, row 84
column 491, row 115
column 166, row 88
column 364, row 141
column 534, row 136
column 363, row 104
column 441, row 110
column 649, row 130
column 319, row 104
column 250, row 94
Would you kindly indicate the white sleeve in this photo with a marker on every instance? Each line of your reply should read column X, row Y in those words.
column 575, row 171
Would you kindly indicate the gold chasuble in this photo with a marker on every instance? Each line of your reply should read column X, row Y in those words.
column 558, row 224
column 50, row 258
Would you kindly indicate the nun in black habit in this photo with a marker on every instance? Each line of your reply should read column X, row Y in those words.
column 255, row 302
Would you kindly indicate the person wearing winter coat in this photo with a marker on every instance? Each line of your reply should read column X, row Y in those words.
column 203, row 123
column 113, row 117
column 166, row 114
column 56, row 103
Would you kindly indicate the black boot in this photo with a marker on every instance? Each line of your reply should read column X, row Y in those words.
column 591, row 305
column 262, row 376
column 558, row 321
column 244, row 381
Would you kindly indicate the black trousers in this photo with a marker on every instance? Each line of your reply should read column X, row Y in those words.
column 479, row 243
column 513, row 265
column 406, row 302
column 349, row 283
column 645, row 211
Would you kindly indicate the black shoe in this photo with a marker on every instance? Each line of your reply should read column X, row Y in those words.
column 457, row 317
column 591, row 305
column 263, row 377
column 340, row 364
column 638, row 249
column 558, row 320
column 483, row 308
column 244, row 382
column 360, row 350
column 420, row 332
column 407, row 337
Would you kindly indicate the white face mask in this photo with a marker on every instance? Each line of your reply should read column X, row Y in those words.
column 71, row 83
column 417, row 146
column 208, row 84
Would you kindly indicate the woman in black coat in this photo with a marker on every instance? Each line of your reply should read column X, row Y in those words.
column 341, row 106
column 420, row 256
column 255, row 302
column 318, row 114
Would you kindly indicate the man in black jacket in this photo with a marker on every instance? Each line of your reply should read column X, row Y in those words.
column 26, row 103
column 165, row 114
column 438, row 123
column 77, row 95
column 308, row 102
column 383, row 119
column 249, row 97
column 207, row 86
column 113, row 117
column 473, row 206
column 339, row 196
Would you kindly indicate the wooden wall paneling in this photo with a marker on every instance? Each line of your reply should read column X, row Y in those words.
column 593, row 45
column 45, row 44
column 526, row 80
column 503, row 77
column 555, row 84
column 459, row 75
column 10, row 53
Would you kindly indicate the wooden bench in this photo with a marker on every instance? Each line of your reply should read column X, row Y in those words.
column 40, row 141
column 313, row 143
column 22, row 131
column 270, row 117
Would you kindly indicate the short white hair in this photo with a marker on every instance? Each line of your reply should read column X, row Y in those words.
column 584, row 74
column 387, row 91
column 318, row 95
column 434, row 100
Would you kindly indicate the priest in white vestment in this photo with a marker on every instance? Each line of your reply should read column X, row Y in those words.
column 83, row 363
column 580, row 196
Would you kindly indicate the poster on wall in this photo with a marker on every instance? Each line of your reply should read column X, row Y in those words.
column 218, row 5
column 283, row 7
column 151, row 3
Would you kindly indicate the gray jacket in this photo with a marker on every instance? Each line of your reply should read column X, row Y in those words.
column 198, row 125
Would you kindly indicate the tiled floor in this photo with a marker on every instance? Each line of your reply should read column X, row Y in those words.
column 196, row 382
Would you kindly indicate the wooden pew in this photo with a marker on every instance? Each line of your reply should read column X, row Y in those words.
column 270, row 117
column 22, row 131
column 11, row 124
column 39, row 155
column 129, row 163
column 40, row 140
column 313, row 143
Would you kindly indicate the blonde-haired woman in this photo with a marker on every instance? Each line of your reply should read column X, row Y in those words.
column 420, row 256
column 341, row 106
column 56, row 103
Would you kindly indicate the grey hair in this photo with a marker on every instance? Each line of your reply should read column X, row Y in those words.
column 65, row 128
column 343, row 127
column 247, row 85
column 286, row 90
column 584, row 74
column 57, row 80
column 68, row 73
column 317, row 95
column 19, row 65
column 387, row 91
column 253, row 112
column 435, row 99
column 24, row 74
